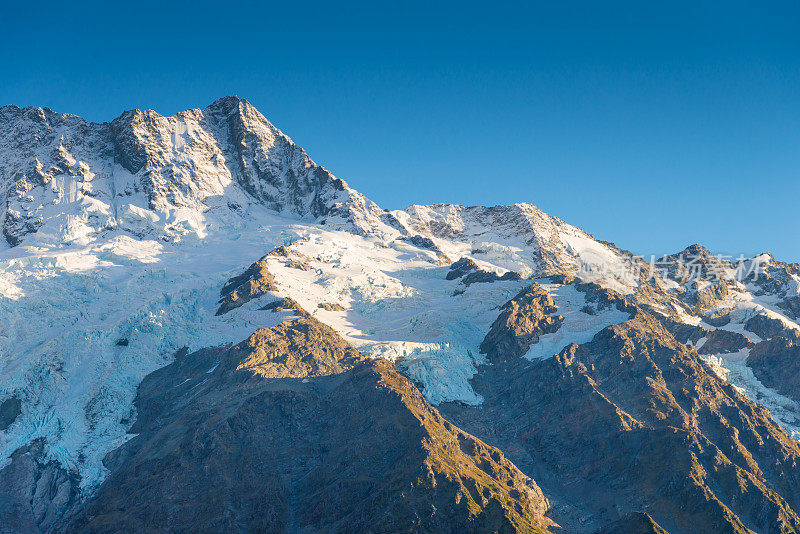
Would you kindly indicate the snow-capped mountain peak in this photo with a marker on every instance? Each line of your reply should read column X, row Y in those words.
column 143, row 173
column 134, row 240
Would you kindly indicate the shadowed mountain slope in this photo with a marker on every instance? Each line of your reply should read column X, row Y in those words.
column 241, row 439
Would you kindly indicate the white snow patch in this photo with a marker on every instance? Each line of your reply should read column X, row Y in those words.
column 733, row 369
column 598, row 263
column 397, row 305
column 578, row 326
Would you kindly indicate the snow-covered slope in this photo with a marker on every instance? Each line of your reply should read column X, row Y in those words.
column 522, row 238
column 120, row 236
column 67, row 179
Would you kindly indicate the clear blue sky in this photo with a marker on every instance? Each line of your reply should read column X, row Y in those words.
column 650, row 124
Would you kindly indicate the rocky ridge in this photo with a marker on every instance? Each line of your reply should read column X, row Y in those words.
column 149, row 174
column 294, row 429
column 353, row 378
column 641, row 416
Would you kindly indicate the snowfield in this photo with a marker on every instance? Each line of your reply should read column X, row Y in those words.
column 579, row 327
column 80, row 326
column 84, row 322
column 125, row 233
column 732, row 367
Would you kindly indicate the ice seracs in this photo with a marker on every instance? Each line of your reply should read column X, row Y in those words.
column 128, row 230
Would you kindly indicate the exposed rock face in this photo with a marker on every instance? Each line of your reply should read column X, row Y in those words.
column 9, row 410
column 299, row 265
column 520, row 323
column 132, row 226
column 488, row 277
column 538, row 230
column 774, row 277
column 716, row 341
column 297, row 349
column 327, row 306
column 710, row 296
column 765, row 327
column 724, row 342
column 294, row 259
column 133, row 172
column 255, row 282
column 696, row 262
column 286, row 303
column 461, row 268
column 791, row 305
column 776, row 362
column 270, row 166
column 35, row 492
column 428, row 243
column 604, row 298
column 634, row 419
column 470, row 273
column 684, row 333
column 718, row 318
column 294, row 431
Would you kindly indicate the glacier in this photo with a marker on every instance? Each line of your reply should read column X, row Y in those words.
column 119, row 237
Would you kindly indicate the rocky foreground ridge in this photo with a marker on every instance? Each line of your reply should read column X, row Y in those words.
column 203, row 330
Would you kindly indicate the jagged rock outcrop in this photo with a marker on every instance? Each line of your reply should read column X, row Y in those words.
column 777, row 278
column 291, row 256
column 709, row 297
column 521, row 321
column 556, row 246
column 765, row 327
column 724, row 342
column 470, row 273
column 254, row 282
column 294, row 430
column 488, row 276
column 791, row 305
column 132, row 227
column 776, row 362
column 635, row 420
column 429, row 244
column 715, row 341
column 149, row 174
column 603, row 298
column 35, row 492
column 718, row 318
column 330, row 306
column 683, row 332
column 461, row 268
column 695, row 263
column 286, row 304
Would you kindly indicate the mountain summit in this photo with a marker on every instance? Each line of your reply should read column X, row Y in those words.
column 203, row 330
column 145, row 173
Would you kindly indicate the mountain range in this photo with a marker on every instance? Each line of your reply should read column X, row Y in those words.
column 201, row 329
